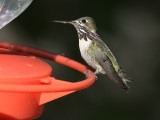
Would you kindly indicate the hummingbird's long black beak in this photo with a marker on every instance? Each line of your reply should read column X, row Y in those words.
column 67, row 22
column 64, row 22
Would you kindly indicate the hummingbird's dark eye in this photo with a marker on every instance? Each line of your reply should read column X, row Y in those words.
column 84, row 21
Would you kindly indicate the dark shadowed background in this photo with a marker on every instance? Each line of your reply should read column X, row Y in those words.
column 132, row 32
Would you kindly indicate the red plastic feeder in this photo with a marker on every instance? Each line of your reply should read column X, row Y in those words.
column 26, row 85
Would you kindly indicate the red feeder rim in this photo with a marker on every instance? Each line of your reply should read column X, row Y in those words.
column 49, row 87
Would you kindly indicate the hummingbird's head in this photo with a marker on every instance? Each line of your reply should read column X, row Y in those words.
column 84, row 22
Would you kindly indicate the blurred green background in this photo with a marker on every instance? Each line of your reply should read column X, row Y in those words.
column 131, row 29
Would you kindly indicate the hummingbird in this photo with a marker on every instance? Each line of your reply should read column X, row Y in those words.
column 96, row 53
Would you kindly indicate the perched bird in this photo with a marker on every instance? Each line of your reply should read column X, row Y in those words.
column 96, row 53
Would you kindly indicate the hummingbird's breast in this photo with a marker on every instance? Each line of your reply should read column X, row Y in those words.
column 84, row 46
column 87, row 46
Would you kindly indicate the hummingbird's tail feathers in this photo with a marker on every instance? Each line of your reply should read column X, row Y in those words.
column 125, row 76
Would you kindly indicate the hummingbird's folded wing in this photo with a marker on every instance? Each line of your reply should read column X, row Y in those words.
column 106, row 64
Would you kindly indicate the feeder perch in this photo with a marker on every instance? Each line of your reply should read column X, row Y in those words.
column 26, row 83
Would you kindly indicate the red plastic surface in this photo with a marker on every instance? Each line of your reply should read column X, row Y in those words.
column 16, row 67
column 9, row 47
column 21, row 71
column 26, row 82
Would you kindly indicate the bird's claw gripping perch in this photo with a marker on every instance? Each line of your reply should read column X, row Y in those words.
column 88, row 73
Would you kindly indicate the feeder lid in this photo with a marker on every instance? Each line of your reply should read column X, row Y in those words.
column 13, row 67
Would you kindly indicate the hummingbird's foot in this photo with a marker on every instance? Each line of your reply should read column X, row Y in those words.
column 88, row 74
